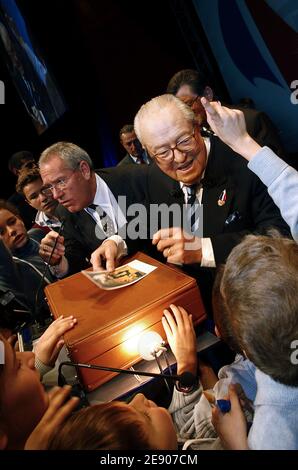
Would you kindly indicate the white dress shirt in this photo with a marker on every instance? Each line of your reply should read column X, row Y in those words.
column 107, row 201
column 208, row 260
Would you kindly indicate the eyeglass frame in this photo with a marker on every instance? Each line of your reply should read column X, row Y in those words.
column 176, row 147
column 59, row 185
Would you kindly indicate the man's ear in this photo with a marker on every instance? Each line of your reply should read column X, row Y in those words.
column 208, row 93
column 216, row 330
column 85, row 169
column 3, row 440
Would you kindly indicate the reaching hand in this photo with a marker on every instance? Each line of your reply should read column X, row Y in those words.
column 104, row 257
column 178, row 246
column 181, row 337
column 231, row 427
column 57, row 412
column 49, row 344
column 46, row 248
column 229, row 125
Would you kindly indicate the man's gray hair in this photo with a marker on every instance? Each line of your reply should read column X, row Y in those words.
column 71, row 154
column 154, row 106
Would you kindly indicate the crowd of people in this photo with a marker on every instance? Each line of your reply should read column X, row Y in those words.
column 232, row 225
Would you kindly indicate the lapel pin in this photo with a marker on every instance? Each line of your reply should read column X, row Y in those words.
column 222, row 198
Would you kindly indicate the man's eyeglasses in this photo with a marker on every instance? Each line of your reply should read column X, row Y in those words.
column 59, row 185
column 190, row 100
column 183, row 146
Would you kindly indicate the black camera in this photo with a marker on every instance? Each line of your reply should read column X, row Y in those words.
column 13, row 315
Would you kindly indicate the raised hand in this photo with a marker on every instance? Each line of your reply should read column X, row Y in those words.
column 57, row 412
column 181, row 337
column 50, row 343
column 229, row 125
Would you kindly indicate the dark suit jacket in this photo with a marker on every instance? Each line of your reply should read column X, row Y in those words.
column 127, row 160
column 247, row 199
column 79, row 233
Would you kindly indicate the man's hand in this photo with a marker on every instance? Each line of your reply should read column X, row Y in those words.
column 177, row 246
column 57, row 412
column 231, row 427
column 50, row 343
column 229, row 125
column 105, row 256
column 46, row 247
column 181, row 337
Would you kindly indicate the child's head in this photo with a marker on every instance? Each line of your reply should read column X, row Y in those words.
column 23, row 400
column 141, row 424
column 223, row 327
column 259, row 288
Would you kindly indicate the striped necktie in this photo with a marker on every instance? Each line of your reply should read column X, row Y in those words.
column 193, row 206
column 105, row 219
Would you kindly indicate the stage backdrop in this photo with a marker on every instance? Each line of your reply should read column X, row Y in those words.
column 255, row 43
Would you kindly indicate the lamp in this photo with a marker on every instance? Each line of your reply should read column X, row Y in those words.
column 150, row 347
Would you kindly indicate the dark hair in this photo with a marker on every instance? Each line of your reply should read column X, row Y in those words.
column 108, row 426
column 9, row 207
column 193, row 78
column 221, row 313
column 17, row 159
column 260, row 290
column 27, row 176
column 126, row 129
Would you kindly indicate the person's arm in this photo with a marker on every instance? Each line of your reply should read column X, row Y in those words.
column 181, row 337
column 277, row 175
column 229, row 125
column 50, row 343
column 282, row 182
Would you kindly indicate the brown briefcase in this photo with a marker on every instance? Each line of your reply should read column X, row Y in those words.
column 110, row 322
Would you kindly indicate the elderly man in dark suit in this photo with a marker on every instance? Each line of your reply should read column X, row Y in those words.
column 202, row 172
column 234, row 202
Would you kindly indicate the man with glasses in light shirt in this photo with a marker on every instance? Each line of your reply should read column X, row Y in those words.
column 87, row 206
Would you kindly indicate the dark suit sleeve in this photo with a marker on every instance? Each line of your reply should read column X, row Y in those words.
column 127, row 160
column 75, row 252
column 259, row 214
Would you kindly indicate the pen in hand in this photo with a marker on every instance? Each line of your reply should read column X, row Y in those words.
column 223, row 405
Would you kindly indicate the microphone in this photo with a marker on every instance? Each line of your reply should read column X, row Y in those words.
column 186, row 380
column 47, row 264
